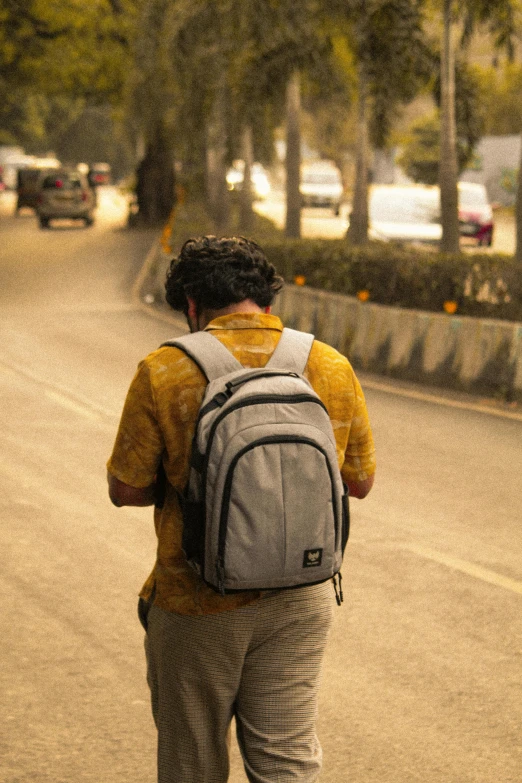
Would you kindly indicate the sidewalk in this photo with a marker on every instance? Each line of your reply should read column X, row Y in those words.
column 7, row 203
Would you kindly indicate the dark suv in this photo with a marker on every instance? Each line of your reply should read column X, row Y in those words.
column 65, row 193
column 27, row 187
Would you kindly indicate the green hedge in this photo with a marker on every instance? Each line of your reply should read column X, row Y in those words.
column 482, row 285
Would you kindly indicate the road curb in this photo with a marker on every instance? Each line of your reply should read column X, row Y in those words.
column 138, row 292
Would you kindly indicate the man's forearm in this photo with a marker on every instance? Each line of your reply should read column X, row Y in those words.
column 359, row 489
column 122, row 494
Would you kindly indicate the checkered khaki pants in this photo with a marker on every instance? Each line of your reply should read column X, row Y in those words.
column 260, row 663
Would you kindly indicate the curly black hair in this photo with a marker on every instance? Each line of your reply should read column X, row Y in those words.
column 219, row 272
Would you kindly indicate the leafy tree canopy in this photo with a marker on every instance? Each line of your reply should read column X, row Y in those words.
column 388, row 40
column 421, row 155
column 501, row 97
column 54, row 54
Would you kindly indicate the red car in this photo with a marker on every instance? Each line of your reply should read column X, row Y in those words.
column 99, row 174
column 475, row 213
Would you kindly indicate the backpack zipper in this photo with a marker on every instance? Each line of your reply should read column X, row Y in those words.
column 231, row 387
column 258, row 400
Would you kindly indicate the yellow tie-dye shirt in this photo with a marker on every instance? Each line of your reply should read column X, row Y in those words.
column 157, row 425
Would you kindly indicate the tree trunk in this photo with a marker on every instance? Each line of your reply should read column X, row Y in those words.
column 217, row 192
column 358, row 229
column 448, row 166
column 518, row 212
column 246, row 213
column 155, row 182
column 293, row 157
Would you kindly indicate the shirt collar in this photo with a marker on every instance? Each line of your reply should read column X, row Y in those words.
column 246, row 321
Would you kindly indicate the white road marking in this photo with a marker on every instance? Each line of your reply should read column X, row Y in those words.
column 114, row 307
column 69, row 399
column 50, row 312
column 438, row 400
column 465, row 567
column 71, row 405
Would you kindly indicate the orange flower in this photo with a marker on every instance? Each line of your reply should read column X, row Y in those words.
column 363, row 295
column 299, row 279
column 167, row 233
column 450, row 306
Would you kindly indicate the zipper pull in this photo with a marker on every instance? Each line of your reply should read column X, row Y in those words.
column 221, row 398
column 220, row 570
column 337, row 581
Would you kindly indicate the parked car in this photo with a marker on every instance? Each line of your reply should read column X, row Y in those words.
column 99, row 174
column 65, row 193
column 405, row 213
column 475, row 213
column 11, row 159
column 411, row 213
column 27, row 187
column 258, row 177
column 321, row 185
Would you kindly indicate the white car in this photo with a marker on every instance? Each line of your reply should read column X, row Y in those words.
column 405, row 213
column 321, row 185
column 64, row 193
column 258, row 177
column 411, row 213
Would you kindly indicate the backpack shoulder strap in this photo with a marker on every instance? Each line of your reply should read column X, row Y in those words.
column 292, row 351
column 209, row 353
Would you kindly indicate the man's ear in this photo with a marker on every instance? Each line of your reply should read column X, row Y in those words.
column 192, row 310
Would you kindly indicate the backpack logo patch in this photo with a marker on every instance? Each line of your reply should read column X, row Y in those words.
column 312, row 558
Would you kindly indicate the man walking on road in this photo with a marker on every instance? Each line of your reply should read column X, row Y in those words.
column 253, row 656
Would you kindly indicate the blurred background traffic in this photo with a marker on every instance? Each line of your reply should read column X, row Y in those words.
column 369, row 113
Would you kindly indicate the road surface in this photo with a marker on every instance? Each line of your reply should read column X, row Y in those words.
column 422, row 679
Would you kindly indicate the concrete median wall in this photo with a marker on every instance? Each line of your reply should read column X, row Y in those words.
column 468, row 354
column 455, row 352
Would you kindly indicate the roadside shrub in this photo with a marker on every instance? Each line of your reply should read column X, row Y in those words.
column 481, row 285
column 192, row 220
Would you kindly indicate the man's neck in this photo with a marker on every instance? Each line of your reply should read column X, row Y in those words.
column 246, row 306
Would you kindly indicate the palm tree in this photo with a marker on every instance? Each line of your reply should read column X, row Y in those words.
column 518, row 213
column 293, row 157
column 498, row 17
column 448, row 165
column 393, row 60
column 359, row 218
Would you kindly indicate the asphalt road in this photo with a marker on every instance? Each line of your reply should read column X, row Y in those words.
column 422, row 681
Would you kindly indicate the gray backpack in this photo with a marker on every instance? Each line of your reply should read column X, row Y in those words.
column 265, row 506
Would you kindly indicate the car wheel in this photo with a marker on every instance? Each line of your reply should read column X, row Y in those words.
column 88, row 220
column 44, row 222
